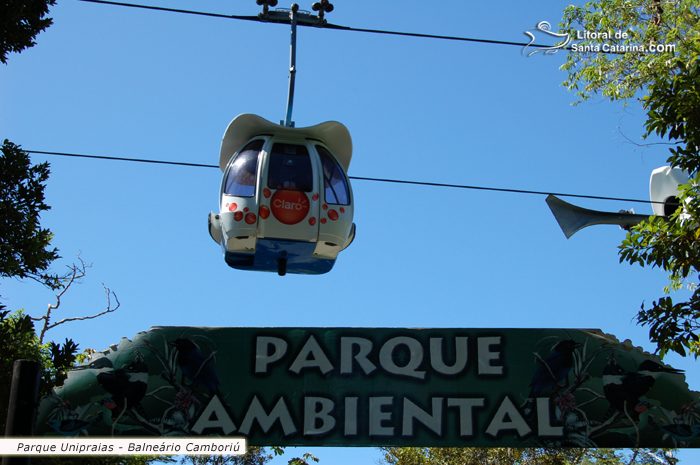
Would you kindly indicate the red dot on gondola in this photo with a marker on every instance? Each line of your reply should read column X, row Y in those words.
column 232, row 207
column 315, row 197
column 238, row 216
column 342, row 210
column 312, row 221
column 250, row 218
column 264, row 212
column 267, row 193
column 323, row 221
column 246, row 209
column 333, row 215
column 324, row 206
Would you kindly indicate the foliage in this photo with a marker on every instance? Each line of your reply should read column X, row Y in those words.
column 101, row 460
column 24, row 244
column 19, row 341
column 253, row 456
column 511, row 456
column 303, row 460
column 24, row 254
column 673, row 111
column 20, row 22
column 647, row 23
column 673, row 107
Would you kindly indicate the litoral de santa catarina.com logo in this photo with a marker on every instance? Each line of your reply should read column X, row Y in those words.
column 606, row 41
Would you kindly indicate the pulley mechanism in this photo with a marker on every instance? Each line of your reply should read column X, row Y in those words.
column 324, row 6
column 266, row 4
column 283, row 15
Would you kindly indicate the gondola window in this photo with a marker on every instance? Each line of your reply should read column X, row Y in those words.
column 290, row 168
column 243, row 171
column 335, row 185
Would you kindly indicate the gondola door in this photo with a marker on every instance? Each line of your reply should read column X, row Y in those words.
column 336, row 229
column 289, row 208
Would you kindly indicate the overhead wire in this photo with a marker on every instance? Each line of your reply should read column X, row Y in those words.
column 174, row 10
column 358, row 178
column 325, row 26
column 343, row 28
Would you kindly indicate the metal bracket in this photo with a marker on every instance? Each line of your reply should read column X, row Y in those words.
column 293, row 16
column 282, row 15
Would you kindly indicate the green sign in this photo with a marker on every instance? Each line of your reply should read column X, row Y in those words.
column 378, row 387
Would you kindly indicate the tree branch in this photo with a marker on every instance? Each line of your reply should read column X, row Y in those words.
column 76, row 273
column 108, row 310
column 634, row 456
column 669, row 460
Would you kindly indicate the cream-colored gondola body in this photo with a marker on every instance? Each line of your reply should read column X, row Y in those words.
column 285, row 199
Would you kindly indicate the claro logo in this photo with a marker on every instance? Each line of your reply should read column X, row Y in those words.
column 279, row 203
column 289, row 206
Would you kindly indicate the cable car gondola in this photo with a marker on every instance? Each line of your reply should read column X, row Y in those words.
column 285, row 199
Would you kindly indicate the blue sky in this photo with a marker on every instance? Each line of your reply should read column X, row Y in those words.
column 122, row 82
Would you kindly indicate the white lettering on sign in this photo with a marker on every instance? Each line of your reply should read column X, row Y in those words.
column 486, row 356
column 508, row 418
column 357, row 351
column 319, row 359
column 437, row 361
column 320, row 416
column 318, row 420
column 263, row 357
column 466, row 419
column 386, row 357
column 544, row 427
column 256, row 413
column 214, row 416
column 346, row 354
column 377, row 415
column 432, row 420
column 351, row 416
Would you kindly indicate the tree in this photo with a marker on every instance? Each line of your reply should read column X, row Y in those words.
column 19, row 341
column 668, row 77
column 510, row 456
column 24, row 253
column 667, row 31
column 20, row 22
column 101, row 460
column 253, row 456
column 24, row 245
column 673, row 106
